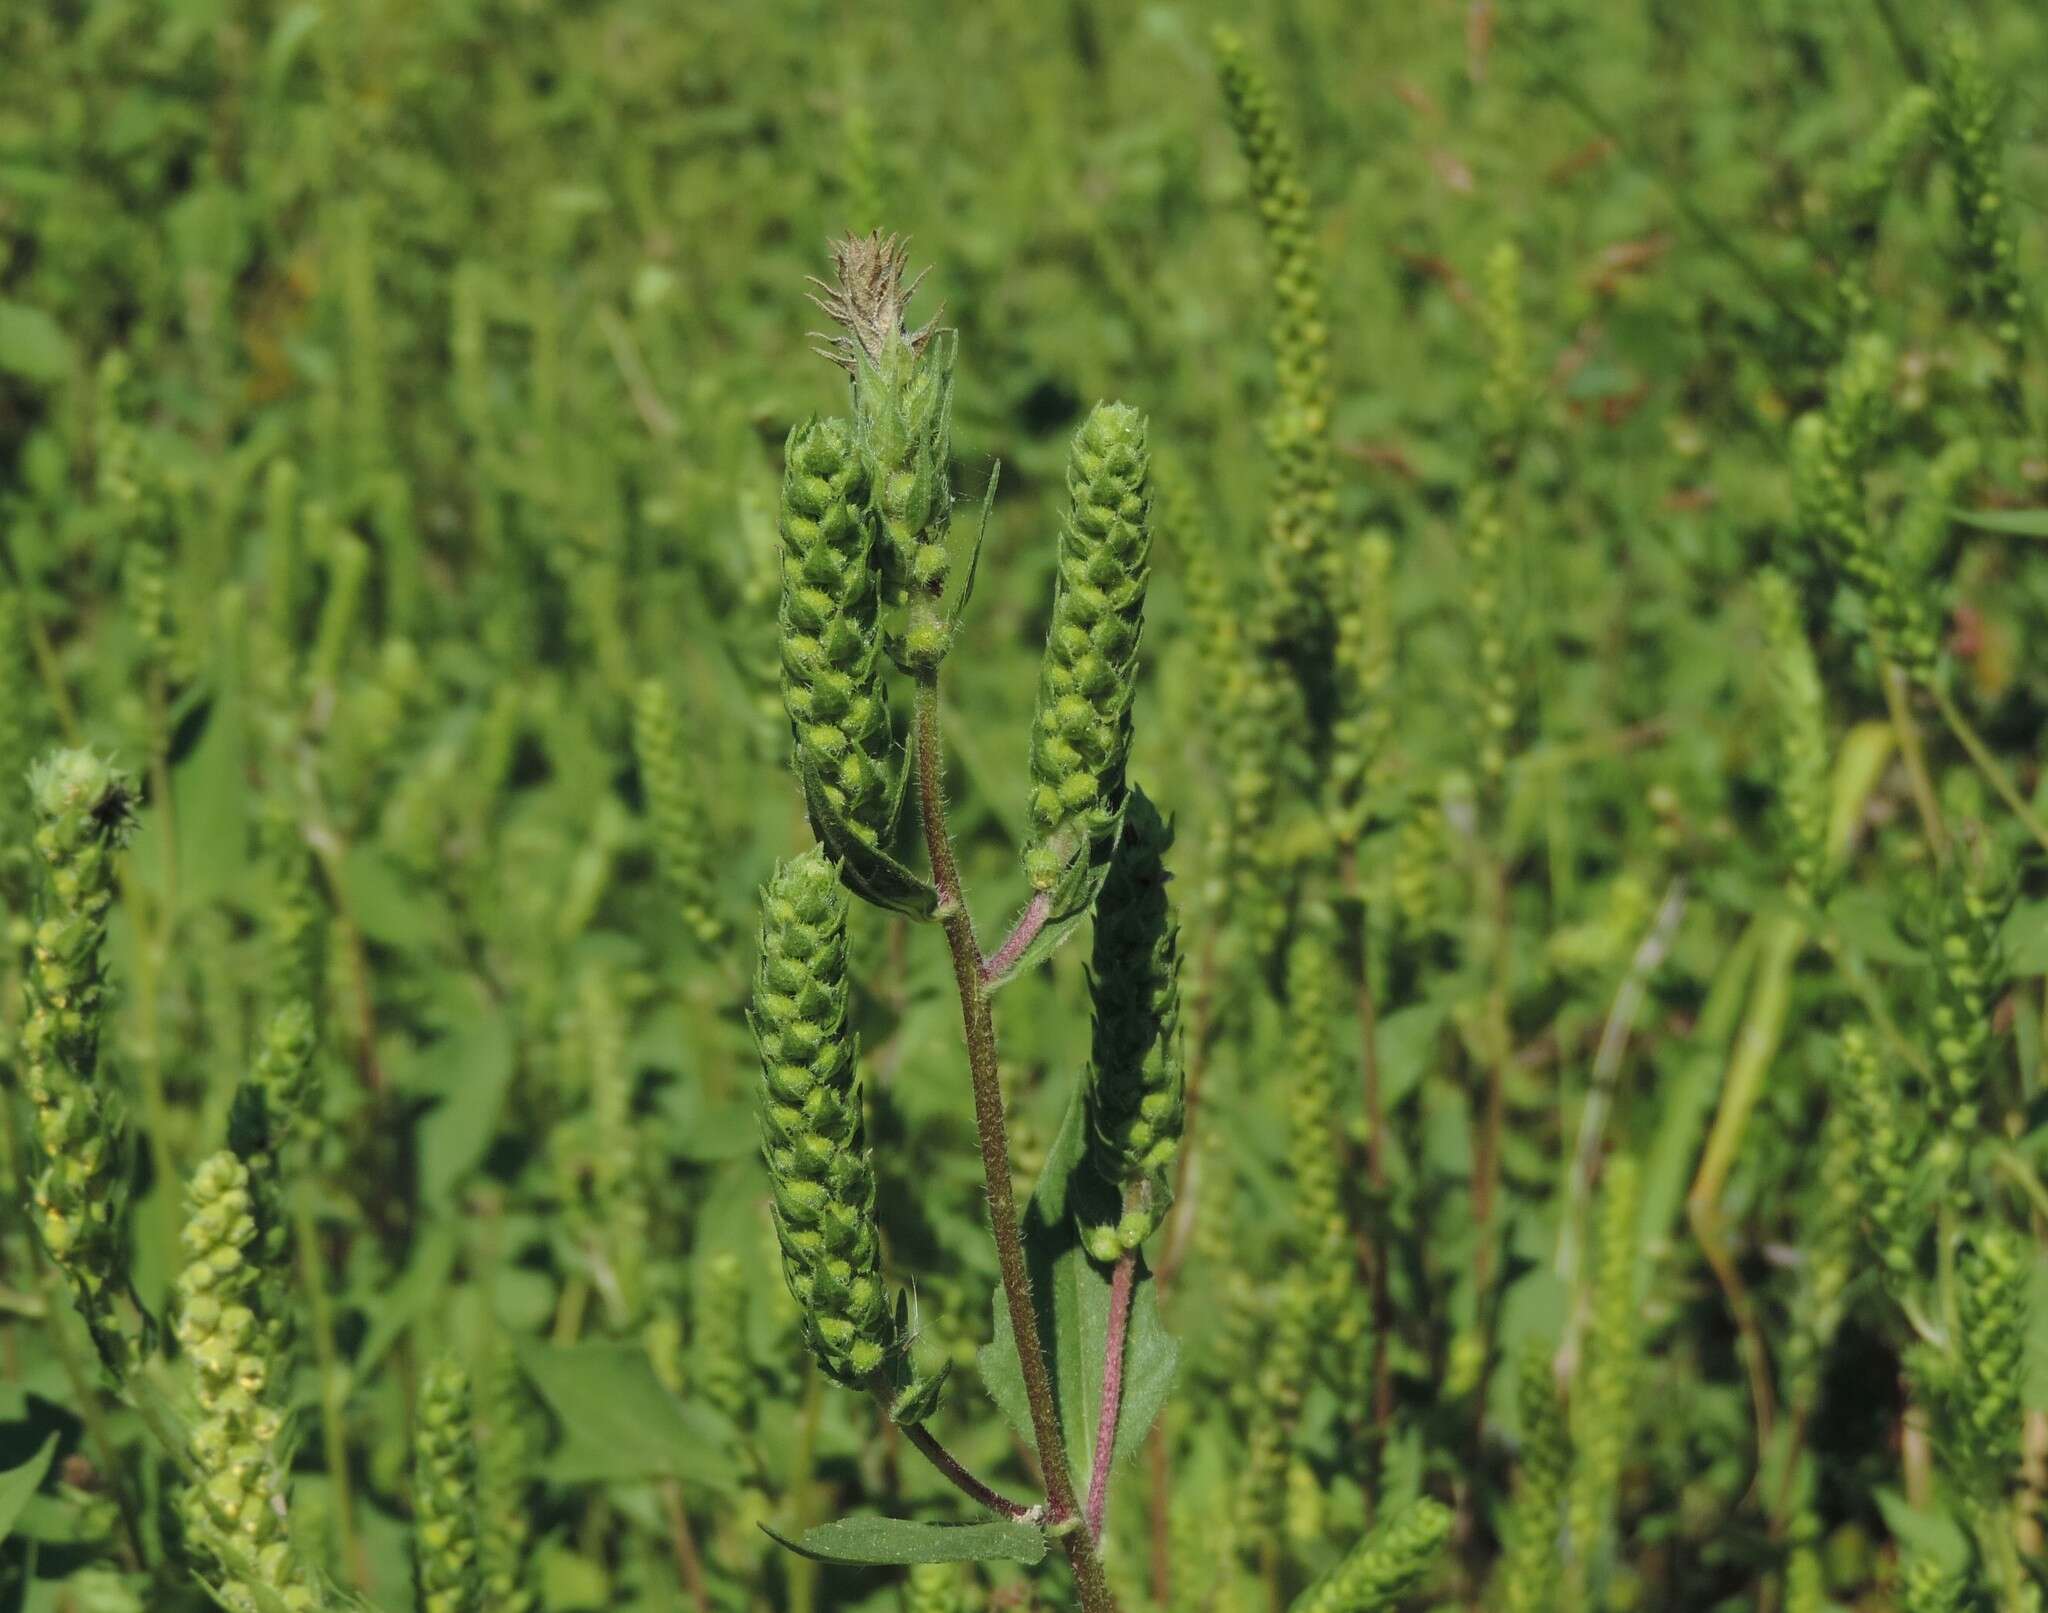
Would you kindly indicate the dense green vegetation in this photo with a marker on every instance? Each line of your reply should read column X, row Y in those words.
column 1500, row 646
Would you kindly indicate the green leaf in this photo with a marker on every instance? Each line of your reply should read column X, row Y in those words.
column 1073, row 899
column 2013, row 523
column 1931, row 1534
column 870, row 873
column 17, row 1484
column 988, row 499
column 32, row 345
column 899, row 1540
column 619, row 1423
column 1071, row 1293
column 471, row 1068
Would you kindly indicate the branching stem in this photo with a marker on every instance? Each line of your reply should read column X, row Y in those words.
column 978, row 1023
column 1120, row 1288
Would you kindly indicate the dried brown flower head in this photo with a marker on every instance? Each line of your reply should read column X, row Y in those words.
column 868, row 300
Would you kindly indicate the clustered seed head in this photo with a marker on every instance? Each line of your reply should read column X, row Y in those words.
column 1925, row 523
column 1081, row 731
column 1497, row 681
column 1799, row 710
column 286, row 1073
column 1992, row 1275
column 811, row 1125
column 719, row 1363
column 1974, row 900
column 1504, row 398
column 1279, row 1382
column 444, row 1495
column 831, row 634
column 235, row 1508
column 675, row 812
column 1298, row 427
column 1831, row 454
column 1861, row 206
column 504, row 1526
column 1529, row 1563
column 1832, row 1256
column 1927, row 1586
column 1365, row 675
column 1878, row 163
column 1884, row 1168
column 1135, row 1091
column 1605, row 1411
column 1972, row 139
column 84, row 814
column 1386, row 1565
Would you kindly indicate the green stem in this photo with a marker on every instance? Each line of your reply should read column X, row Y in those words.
column 89, row 1408
column 978, row 1023
column 333, row 1429
column 1756, row 1045
column 1914, row 755
column 1994, row 773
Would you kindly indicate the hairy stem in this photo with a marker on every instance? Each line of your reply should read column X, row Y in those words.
column 950, row 1467
column 1120, row 1288
column 978, row 1023
column 1029, row 924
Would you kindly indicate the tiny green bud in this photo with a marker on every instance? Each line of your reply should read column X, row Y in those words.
column 1884, row 1168
column 1081, row 733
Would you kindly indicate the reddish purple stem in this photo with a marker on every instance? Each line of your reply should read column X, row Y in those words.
column 1004, row 958
column 967, row 1483
column 1112, row 1388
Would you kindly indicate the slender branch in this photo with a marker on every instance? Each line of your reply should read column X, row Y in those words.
column 1621, row 1018
column 1994, row 773
column 1914, row 755
column 1120, row 1286
column 978, row 1024
column 683, row 1545
column 951, row 1468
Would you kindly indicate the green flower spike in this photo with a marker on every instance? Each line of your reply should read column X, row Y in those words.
column 1385, row 1566
column 236, row 1509
column 831, row 637
column 84, row 815
column 1081, row 734
column 811, row 1126
column 1135, row 1077
column 1799, row 710
column 445, row 1495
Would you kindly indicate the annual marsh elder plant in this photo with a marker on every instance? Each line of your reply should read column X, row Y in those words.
column 866, row 506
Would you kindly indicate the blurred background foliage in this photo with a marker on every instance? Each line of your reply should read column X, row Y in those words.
column 457, row 343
